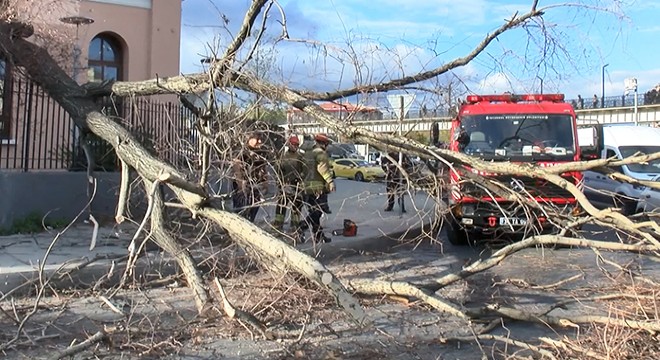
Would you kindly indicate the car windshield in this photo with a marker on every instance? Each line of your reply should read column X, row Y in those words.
column 347, row 147
column 362, row 163
column 650, row 167
column 506, row 136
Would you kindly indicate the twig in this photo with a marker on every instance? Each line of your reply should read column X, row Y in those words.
column 133, row 250
column 624, row 270
column 240, row 315
column 503, row 253
column 524, row 284
column 95, row 231
column 43, row 283
column 123, row 191
column 558, row 283
column 562, row 321
column 518, row 343
column 72, row 350
column 111, row 305
column 599, row 298
column 568, row 347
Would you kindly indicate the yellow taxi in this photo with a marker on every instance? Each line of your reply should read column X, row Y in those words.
column 357, row 169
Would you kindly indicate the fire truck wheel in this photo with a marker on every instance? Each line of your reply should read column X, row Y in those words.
column 628, row 206
column 456, row 234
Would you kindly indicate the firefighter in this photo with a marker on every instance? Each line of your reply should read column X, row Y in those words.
column 250, row 171
column 291, row 169
column 318, row 183
column 394, row 180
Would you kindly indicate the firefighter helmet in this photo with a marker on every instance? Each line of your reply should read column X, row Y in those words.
column 293, row 140
column 322, row 138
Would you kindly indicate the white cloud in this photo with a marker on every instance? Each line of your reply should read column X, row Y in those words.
column 496, row 83
column 391, row 38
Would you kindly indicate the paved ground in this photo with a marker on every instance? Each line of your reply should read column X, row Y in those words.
column 364, row 203
column 405, row 329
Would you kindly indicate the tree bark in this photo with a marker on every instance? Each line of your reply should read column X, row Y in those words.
column 182, row 256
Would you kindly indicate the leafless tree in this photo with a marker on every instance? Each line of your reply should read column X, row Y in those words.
column 218, row 131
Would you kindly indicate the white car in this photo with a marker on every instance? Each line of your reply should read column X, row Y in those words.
column 649, row 199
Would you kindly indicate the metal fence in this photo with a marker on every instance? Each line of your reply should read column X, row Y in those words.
column 42, row 136
column 610, row 101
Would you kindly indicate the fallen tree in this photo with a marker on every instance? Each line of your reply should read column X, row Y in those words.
column 227, row 73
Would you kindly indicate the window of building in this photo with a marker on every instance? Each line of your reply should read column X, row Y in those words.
column 5, row 98
column 105, row 59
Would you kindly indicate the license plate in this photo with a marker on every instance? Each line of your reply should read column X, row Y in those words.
column 512, row 221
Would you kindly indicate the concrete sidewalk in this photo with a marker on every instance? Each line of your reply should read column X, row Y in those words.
column 364, row 203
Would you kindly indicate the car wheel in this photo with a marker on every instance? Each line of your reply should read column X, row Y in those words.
column 334, row 176
column 359, row 176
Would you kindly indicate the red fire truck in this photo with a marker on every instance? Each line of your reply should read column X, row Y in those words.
column 530, row 128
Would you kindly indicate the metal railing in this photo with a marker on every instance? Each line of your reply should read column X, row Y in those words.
column 42, row 136
column 610, row 102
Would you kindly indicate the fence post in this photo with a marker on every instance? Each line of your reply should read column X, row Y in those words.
column 26, row 127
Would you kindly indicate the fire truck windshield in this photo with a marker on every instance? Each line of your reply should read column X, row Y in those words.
column 509, row 136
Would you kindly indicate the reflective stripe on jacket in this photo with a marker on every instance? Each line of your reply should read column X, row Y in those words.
column 318, row 173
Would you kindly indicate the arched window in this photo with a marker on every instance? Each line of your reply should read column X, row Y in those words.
column 105, row 58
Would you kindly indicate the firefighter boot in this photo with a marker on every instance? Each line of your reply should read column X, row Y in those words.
column 295, row 221
column 278, row 223
column 298, row 236
column 320, row 236
column 299, row 232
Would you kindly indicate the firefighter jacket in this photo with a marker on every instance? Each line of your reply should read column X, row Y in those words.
column 318, row 174
column 291, row 167
column 392, row 171
column 250, row 168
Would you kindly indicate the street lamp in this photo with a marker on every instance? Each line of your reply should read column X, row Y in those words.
column 76, row 20
column 540, row 79
column 631, row 85
column 602, row 95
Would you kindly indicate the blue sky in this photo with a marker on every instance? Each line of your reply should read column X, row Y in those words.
column 390, row 38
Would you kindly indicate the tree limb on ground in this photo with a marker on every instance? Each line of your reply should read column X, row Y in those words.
column 75, row 349
column 563, row 321
column 518, row 343
column 503, row 253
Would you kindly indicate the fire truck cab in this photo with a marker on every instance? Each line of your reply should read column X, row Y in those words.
column 533, row 128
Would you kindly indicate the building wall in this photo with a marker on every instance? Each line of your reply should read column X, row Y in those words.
column 150, row 36
column 61, row 195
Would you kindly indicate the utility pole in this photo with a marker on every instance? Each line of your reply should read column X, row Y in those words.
column 401, row 115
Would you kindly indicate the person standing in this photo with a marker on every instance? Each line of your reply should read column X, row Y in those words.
column 394, row 180
column 580, row 102
column 318, row 183
column 250, row 170
column 291, row 169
